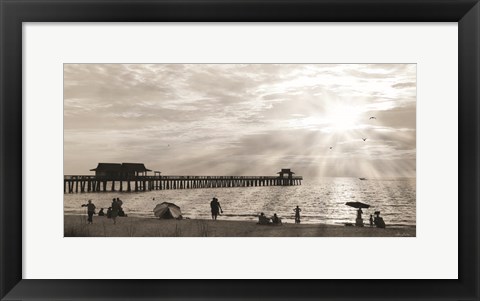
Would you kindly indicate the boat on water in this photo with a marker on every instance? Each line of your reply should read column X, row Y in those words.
column 363, row 179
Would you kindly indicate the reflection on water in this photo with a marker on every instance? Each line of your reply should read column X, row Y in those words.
column 321, row 200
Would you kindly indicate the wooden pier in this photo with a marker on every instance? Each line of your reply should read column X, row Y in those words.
column 88, row 183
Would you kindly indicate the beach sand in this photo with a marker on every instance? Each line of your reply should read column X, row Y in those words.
column 76, row 226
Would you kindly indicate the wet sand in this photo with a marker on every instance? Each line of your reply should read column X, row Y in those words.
column 76, row 226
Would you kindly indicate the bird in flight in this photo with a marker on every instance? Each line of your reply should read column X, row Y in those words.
column 331, row 147
column 364, row 139
column 372, row 117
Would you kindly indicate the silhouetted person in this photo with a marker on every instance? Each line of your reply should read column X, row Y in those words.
column 216, row 208
column 276, row 220
column 119, row 203
column 109, row 212
column 120, row 208
column 371, row 220
column 101, row 213
column 359, row 220
column 115, row 210
column 121, row 212
column 263, row 220
column 90, row 211
column 378, row 220
column 297, row 215
column 359, row 213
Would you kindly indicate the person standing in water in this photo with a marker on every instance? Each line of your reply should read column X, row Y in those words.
column 90, row 210
column 297, row 214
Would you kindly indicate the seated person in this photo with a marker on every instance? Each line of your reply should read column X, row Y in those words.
column 263, row 220
column 276, row 220
column 378, row 221
column 121, row 212
column 101, row 213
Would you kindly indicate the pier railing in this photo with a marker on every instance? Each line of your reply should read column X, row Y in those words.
column 91, row 183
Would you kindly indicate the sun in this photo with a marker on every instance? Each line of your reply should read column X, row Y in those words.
column 337, row 117
column 342, row 118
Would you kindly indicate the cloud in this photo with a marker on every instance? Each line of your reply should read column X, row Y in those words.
column 405, row 85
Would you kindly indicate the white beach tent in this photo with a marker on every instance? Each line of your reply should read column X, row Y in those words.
column 167, row 210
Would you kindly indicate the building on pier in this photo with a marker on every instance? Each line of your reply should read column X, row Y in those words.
column 130, row 170
column 120, row 171
column 108, row 170
column 286, row 176
column 285, row 173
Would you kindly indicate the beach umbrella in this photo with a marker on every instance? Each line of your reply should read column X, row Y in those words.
column 167, row 210
column 357, row 205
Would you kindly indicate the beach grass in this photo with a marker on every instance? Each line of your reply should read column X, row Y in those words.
column 76, row 226
column 79, row 228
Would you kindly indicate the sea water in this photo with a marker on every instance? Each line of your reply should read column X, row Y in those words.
column 321, row 200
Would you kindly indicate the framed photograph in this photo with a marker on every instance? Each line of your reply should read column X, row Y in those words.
column 293, row 150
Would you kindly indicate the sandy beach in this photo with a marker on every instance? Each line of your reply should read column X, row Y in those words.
column 76, row 226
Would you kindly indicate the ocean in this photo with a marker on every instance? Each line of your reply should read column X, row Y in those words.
column 322, row 200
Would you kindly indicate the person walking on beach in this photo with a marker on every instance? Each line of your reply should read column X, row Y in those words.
column 297, row 214
column 115, row 210
column 90, row 210
column 215, row 207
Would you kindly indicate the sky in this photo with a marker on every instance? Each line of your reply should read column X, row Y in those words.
column 242, row 119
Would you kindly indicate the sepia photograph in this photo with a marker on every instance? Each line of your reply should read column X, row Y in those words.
column 239, row 150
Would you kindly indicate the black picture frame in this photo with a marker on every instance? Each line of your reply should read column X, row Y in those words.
column 14, row 12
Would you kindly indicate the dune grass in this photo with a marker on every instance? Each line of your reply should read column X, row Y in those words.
column 77, row 226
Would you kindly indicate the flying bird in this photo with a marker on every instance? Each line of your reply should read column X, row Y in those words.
column 331, row 147
column 364, row 139
column 372, row 117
